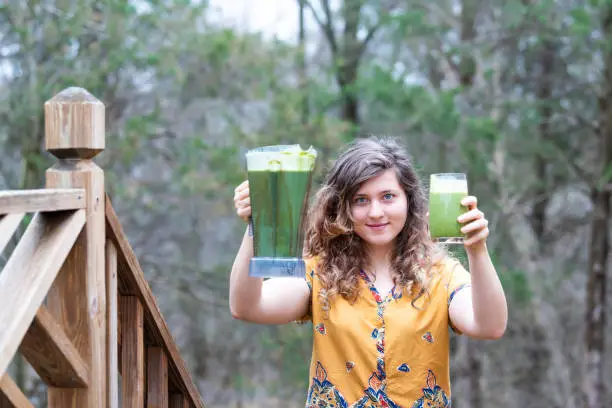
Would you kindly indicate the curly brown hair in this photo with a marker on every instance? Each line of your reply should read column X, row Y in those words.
column 330, row 236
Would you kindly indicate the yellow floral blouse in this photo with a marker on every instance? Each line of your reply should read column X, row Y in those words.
column 381, row 351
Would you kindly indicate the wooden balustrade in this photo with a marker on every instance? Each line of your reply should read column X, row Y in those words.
column 43, row 200
column 29, row 274
column 74, row 301
column 138, row 308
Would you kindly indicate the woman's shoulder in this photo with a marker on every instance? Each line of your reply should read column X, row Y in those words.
column 445, row 265
column 447, row 275
column 311, row 268
column 312, row 262
column 442, row 270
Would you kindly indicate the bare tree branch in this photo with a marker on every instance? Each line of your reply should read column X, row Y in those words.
column 326, row 25
column 368, row 38
column 376, row 27
column 435, row 10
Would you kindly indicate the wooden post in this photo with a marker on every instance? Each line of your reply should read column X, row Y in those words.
column 157, row 378
column 74, row 133
column 179, row 401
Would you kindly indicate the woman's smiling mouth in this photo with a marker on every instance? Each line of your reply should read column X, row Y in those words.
column 377, row 227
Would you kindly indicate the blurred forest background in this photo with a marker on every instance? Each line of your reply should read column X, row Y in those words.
column 516, row 93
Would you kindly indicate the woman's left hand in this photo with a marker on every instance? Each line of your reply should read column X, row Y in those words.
column 475, row 225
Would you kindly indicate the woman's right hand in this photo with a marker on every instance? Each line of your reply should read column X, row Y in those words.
column 242, row 201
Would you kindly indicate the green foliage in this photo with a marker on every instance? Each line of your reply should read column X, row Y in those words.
column 516, row 286
column 514, row 12
column 480, row 136
column 606, row 177
column 581, row 21
column 440, row 115
column 289, row 346
column 412, row 23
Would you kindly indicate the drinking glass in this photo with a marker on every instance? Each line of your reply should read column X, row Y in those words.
column 446, row 190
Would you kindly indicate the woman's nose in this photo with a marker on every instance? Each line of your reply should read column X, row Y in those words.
column 375, row 209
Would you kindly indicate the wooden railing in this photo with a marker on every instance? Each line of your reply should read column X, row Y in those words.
column 74, row 301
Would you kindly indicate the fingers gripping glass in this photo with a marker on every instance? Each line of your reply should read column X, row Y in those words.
column 446, row 190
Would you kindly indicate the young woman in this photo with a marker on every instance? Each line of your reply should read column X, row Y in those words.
column 380, row 294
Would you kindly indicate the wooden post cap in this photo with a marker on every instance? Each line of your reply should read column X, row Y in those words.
column 74, row 124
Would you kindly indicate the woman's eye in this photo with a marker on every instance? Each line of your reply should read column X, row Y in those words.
column 388, row 196
column 361, row 200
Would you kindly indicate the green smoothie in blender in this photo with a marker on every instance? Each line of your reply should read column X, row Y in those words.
column 279, row 182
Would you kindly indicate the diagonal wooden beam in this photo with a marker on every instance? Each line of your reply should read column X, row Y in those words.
column 52, row 354
column 11, row 396
column 8, row 226
column 41, row 200
column 29, row 273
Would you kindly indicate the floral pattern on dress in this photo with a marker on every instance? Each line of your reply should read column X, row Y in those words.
column 375, row 395
column 322, row 393
column 428, row 337
column 433, row 395
column 404, row 368
column 378, row 334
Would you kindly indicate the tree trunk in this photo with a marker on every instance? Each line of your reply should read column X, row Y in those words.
column 347, row 50
column 350, row 102
column 593, row 388
column 543, row 93
column 467, row 64
column 302, row 65
column 348, row 63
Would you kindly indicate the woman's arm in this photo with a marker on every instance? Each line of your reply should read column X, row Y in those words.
column 275, row 301
column 480, row 311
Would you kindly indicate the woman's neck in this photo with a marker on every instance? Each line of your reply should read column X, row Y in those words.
column 379, row 260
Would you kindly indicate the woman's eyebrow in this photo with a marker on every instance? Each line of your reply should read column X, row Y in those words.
column 378, row 193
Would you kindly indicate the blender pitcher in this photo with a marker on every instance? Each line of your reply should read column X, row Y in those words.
column 279, row 183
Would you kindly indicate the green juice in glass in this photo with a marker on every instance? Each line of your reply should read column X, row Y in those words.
column 279, row 202
column 279, row 183
column 445, row 194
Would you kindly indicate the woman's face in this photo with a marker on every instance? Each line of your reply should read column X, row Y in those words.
column 379, row 210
